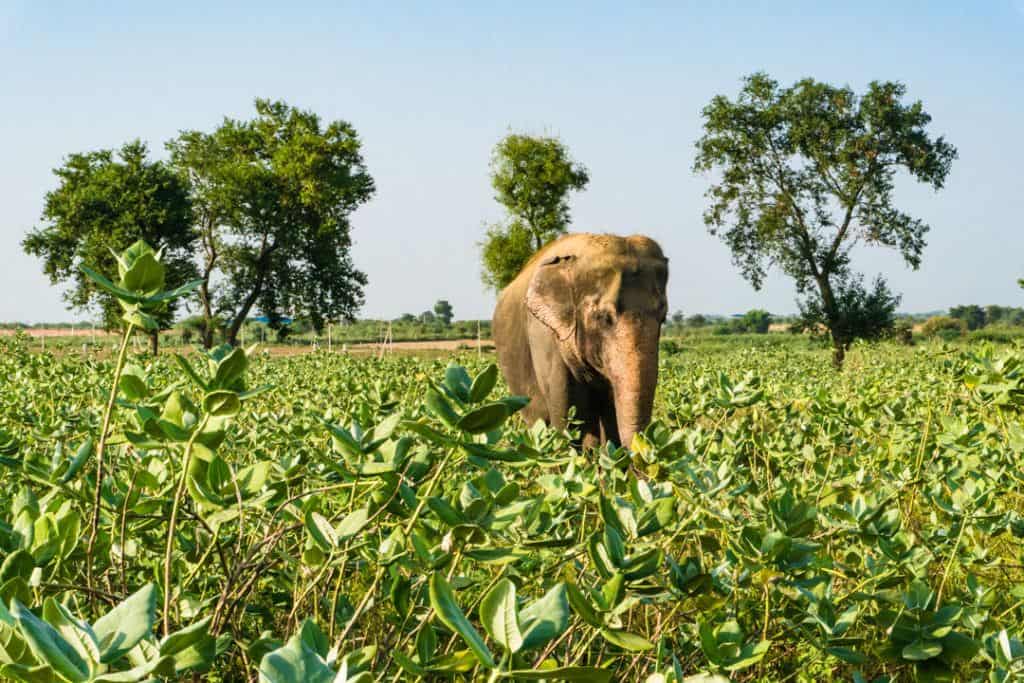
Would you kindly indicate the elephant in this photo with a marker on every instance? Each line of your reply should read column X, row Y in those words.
column 579, row 327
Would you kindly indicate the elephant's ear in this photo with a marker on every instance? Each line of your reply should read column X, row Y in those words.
column 550, row 298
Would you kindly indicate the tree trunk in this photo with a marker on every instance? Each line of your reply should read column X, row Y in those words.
column 204, row 298
column 838, row 353
column 243, row 312
column 154, row 342
column 204, row 289
column 828, row 301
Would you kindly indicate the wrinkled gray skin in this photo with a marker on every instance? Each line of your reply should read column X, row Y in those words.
column 579, row 326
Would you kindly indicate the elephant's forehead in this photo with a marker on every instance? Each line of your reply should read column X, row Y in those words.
column 637, row 246
column 610, row 265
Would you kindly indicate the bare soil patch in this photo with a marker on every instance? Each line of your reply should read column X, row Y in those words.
column 56, row 332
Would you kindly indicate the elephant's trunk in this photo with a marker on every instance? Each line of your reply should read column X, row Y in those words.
column 633, row 372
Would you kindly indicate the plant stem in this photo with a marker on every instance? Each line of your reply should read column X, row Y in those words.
column 94, row 524
column 187, row 461
column 408, row 527
column 949, row 562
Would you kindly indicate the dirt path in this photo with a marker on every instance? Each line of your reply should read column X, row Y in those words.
column 56, row 332
column 371, row 348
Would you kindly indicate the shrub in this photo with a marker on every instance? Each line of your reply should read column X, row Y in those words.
column 903, row 333
column 757, row 321
column 997, row 333
column 671, row 347
column 944, row 327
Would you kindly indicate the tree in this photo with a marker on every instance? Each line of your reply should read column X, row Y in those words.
column 428, row 318
column 807, row 172
column 997, row 314
column 505, row 250
column 944, row 327
column 757, row 321
column 678, row 318
column 971, row 314
column 697, row 320
column 274, row 196
column 862, row 314
column 105, row 202
column 532, row 178
column 443, row 311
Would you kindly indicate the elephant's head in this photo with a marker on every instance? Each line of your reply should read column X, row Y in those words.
column 603, row 297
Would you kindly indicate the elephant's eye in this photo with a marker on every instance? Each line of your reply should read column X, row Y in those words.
column 603, row 317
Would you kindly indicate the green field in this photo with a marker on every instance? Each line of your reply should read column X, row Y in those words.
column 779, row 521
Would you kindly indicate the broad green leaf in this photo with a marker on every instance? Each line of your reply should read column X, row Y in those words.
column 582, row 606
column 230, row 370
column 187, row 637
column 295, row 663
column 447, row 609
column 626, row 640
column 920, row 650
column 49, row 646
column 120, row 629
column 321, row 531
column 498, row 614
column 82, row 455
column 591, row 674
column 438, row 406
column 221, row 403
column 483, row 384
column 20, row 563
column 74, row 631
column 546, row 619
column 352, row 524
column 426, row 643
column 483, row 419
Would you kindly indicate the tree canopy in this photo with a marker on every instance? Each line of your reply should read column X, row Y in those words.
column 444, row 311
column 972, row 314
column 804, row 173
column 106, row 201
column 532, row 178
column 273, row 196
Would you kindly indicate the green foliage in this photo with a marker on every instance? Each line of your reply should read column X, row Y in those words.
column 393, row 519
column 754, row 321
column 273, row 196
column 1004, row 315
column 54, row 644
column 697, row 320
column 903, row 332
column 532, row 177
column 504, row 251
column 944, row 326
column 863, row 314
column 973, row 315
column 444, row 312
column 105, row 202
column 808, row 171
column 139, row 290
column 757, row 321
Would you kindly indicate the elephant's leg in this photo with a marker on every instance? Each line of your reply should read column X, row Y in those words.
column 588, row 413
column 609, row 423
column 550, row 373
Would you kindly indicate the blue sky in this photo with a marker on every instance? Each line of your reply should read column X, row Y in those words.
column 432, row 86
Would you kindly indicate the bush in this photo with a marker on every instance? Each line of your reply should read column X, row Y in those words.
column 757, row 321
column 670, row 347
column 903, row 333
column 944, row 327
column 997, row 333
